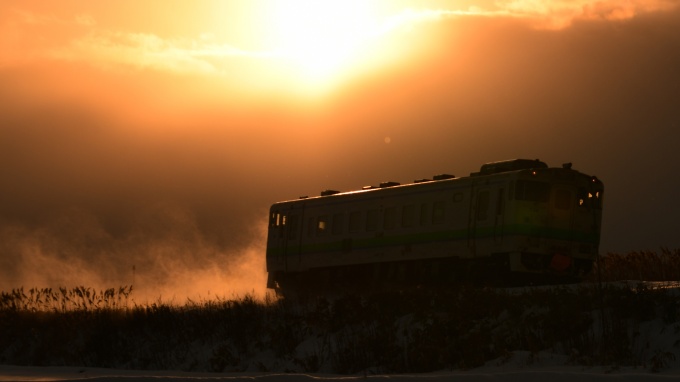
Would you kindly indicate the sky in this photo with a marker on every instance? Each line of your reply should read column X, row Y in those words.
column 144, row 142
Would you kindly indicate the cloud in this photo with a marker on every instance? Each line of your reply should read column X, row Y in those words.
column 83, row 40
column 32, row 36
column 560, row 14
column 141, row 50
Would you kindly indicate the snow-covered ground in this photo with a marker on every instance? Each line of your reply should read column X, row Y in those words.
column 523, row 367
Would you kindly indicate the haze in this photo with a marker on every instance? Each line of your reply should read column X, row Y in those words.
column 144, row 142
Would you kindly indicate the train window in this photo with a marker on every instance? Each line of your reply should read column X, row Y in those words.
column 372, row 220
column 354, row 221
column 322, row 225
column 311, row 226
column 532, row 190
column 281, row 222
column 500, row 206
column 408, row 215
column 589, row 198
column 562, row 199
column 482, row 205
column 597, row 199
column 389, row 218
column 337, row 223
column 438, row 212
column 423, row 214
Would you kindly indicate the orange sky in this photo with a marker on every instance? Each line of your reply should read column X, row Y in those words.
column 213, row 110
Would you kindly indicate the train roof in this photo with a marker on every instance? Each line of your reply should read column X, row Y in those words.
column 490, row 168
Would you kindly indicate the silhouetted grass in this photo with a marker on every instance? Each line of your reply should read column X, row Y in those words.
column 63, row 299
column 640, row 265
column 386, row 332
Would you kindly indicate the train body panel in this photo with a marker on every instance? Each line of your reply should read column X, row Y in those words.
column 511, row 217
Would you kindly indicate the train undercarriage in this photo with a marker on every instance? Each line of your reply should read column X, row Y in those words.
column 493, row 271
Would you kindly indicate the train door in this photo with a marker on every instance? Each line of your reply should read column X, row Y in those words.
column 487, row 219
column 561, row 212
column 499, row 216
column 294, row 235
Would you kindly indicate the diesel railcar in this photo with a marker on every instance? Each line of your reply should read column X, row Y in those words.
column 515, row 217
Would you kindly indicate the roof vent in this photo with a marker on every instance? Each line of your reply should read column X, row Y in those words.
column 329, row 192
column 509, row 165
column 388, row 184
column 443, row 176
column 422, row 180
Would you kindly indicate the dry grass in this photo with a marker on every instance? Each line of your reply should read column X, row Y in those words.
column 639, row 265
column 63, row 299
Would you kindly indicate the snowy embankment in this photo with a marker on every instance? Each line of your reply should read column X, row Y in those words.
column 522, row 366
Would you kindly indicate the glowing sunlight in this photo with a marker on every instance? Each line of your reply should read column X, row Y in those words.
column 323, row 40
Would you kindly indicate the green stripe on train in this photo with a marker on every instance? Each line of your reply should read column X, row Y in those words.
column 480, row 233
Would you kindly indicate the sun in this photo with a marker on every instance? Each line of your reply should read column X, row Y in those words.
column 322, row 40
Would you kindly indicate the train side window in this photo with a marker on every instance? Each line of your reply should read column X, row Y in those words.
column 311, row 226
column 424, row 213
column 500, row 206
column 372, row 218
column 354, row 221
column 389, row 218
column 562, row 199
column 322, row 225
column 408, row 215
column 438, row 212
column 482, row 205
column 337, row 223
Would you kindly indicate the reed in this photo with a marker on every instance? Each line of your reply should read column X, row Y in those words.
column 662, row 265
column 62, row 299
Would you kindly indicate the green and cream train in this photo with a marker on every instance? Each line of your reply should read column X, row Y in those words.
column 512, row 218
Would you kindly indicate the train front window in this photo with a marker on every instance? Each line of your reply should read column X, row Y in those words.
column 589, row 198
column 292, row 226
column 563, row 199
column 531, row 190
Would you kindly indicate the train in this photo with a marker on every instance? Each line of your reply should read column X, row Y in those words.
column 515, row 219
